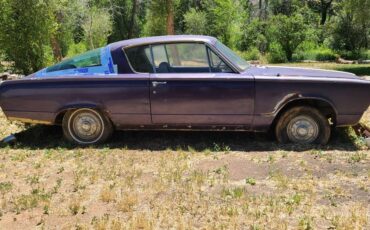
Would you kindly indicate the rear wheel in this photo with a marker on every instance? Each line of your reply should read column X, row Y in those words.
column 86, row 127
column 303, row 125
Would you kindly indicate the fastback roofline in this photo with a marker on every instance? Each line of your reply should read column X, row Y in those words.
column 162, row 39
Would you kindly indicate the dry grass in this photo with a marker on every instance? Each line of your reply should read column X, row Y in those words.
column 160, row 180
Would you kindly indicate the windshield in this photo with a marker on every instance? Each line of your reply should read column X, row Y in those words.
column 233, row 57
column 88, row 59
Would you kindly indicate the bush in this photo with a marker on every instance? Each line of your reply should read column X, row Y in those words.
column 353, row 55
column 276, row 54
column 252, row 54
column 75, row 49
column 319, row 54
column 195, row 22
column 300, row 56
column 289, row 32
column 325, row 55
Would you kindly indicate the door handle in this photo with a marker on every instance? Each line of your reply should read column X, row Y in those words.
column 156, row 83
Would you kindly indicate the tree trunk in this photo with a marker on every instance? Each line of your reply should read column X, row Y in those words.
column 260, row 9
column 170, row 18
column 132, row 20
column 57, row 51
column 289, row 55
column 90, row 32
column 325, row 6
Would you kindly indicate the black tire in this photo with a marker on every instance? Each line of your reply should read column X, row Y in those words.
column 86, row 127
column 303, row 125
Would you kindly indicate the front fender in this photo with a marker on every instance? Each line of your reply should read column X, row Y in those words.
column 294, row 98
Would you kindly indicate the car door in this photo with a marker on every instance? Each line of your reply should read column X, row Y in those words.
column 192, row 85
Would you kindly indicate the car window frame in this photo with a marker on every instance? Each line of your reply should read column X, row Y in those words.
column 129, row 62
column 207, row 46
column 221, row 59
column 180, row 42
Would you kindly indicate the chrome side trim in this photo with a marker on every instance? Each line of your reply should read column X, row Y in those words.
column 31, row 121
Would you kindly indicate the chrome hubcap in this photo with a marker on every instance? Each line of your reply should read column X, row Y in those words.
column 302, row 129
column 87, row 126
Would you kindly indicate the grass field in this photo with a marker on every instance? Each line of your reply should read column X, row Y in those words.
column 182, row 180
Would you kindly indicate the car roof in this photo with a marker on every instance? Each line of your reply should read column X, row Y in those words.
column 164, row 39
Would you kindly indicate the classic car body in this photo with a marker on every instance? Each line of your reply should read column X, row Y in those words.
column 134, row 90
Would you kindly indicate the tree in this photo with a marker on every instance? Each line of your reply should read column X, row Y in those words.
column 254, row 35
column 195, row 22
column 182, row 7
column 289, row 32
column 323, row 7
column 221, row 16
column 351, row 27
column 156, row 18
column 97, row 27
column 26, row 28
column 170, row 17
column 128, row 17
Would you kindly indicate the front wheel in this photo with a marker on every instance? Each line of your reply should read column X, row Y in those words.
column 86, row 127
column 303, row 125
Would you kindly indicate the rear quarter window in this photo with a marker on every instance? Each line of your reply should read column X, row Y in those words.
column 88, row 59
column 139, row 59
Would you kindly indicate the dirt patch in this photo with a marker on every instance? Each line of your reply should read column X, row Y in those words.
column 239, row 168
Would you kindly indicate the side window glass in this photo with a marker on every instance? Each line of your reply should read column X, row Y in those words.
column 139, row 59
column 218, row 65
column 181, row 58
column 160, row 54
column 88, row 59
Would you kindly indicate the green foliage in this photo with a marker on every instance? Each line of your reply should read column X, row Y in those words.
column 156, row 18
column 221, row 15
column 325, row 55
column 252, row 54
column 26, row 27
column 5, row 187
column 355, row 55
column 276, row 54
column 97, row 27
column 317, row 54
column 359, row 70
column 128, row 17
column 254, row 35
column 75, row 49
column 250, row 181
column 289, row 32
column 37, row 33
column 195, row 22
column 351, row 28
column 285, row 7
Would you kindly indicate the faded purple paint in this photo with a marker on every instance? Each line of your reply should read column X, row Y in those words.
column 248, row 100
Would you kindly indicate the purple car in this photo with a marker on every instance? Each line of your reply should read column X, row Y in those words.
column 183, row 83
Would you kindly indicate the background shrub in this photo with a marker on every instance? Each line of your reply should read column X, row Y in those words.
column 276, row 54
column 317, row 54
column 325, row 55
column 252, row 54
column 353, row 55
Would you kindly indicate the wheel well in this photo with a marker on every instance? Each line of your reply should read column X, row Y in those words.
column 59, row 118
column 323, row 106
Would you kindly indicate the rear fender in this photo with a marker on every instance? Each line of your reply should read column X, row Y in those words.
column 64, row 109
